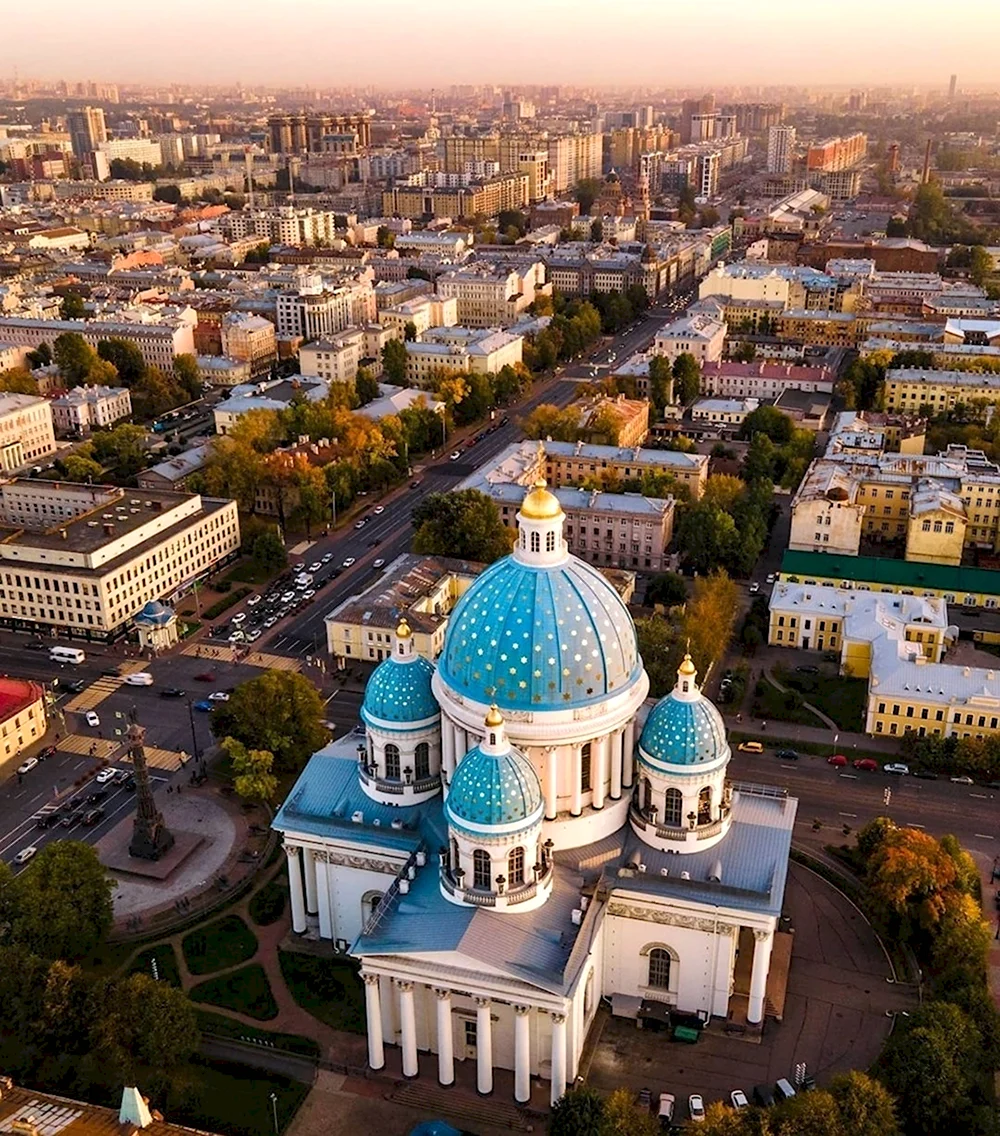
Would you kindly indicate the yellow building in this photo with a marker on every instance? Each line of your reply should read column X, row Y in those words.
column 910, row 388
column 937, row 523
column 820, row 328
column 22, row 715
column 508, row 191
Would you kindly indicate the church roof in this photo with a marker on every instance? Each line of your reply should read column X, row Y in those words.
column 400, row 691
column 494, row 789
column 683, row 733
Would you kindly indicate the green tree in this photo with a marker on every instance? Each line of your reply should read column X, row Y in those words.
column 687, row 378
column 75, row 358
column 280, row 711
column 463, row 523
column 171, row 194
column 188, row 375
column 668, row 588
column 385, row 238
column 661, row 383
column 253, row 780
column 61, row 903
column 268, row 551
column 72, row 307
column 980, row 265
column 706, row 536
column 394, row 362
column 259, row 254
column 586, row 191
column 41, row 356
column 366, row 386
column 866, row 1107
column 79, row 467
column 710, row 618
column 661, row 649
column 811, row 1114
column 125, row 357
column 409, row 331
column 549, row 421
column 770, row 421
column 579, row 1112
column 123, row 448
column 596, row 229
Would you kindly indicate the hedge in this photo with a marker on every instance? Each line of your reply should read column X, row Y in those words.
column 226, row 602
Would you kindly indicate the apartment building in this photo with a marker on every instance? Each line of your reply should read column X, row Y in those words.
column 907, row 389
column 87, row 129
column 422, row 589
column 250, row 339
column 490, row 197
column 335, row 359
column 725, row 412
column 82, row 560
column 92, row 190
column 160, row 343
column 837, row 153
column 820, row 328
column 780, row 149
column 173, row 473
column 78, row 411
column 312, row 313
column 422, row 311
column 489, row 295
column 699, row 335
column 284, row 225
column 145, row 151
column 26, row 430
column 275, row 394
column 23, row 718
column 763, row 380
column 306, row 132
column 460, row 350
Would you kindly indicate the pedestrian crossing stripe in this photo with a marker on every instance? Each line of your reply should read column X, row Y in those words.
column 104, row 687
column 262, row 659
column 103, row 748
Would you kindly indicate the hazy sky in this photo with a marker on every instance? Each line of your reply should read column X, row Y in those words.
column 434, row 42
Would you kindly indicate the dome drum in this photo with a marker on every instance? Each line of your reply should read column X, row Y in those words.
column 696, row 832
column 400, row 768
column 524, row 896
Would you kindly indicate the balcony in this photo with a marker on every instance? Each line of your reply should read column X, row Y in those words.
column 398, row 788
column 644, row 822
column 510, row 897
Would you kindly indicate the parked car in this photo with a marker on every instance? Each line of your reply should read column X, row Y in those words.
column 308, row 594
column 253, row 636
column 763, row 1096
column 696, row 1108
column 930, row 775
column 25, row 855
column 204, row 706
column 665, row 1111
column 378, row 510
column 270, row 621
column 253, row 601
column 239, row 617
column 754, row 588
column 783, row 1089
column 787, row 755
column 739, row 1099
column 808, row 669
column 897, row 767
column 26, row 766
column 236, row 637
column 287, row 597
column 455, row 456
column 750, row 747
column 414, row 484
column 962, row 780
column 93, row 719
column 866, row 763
column 837, row 759
column 316, row 566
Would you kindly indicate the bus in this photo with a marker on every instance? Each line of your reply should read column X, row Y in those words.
column 66, row 655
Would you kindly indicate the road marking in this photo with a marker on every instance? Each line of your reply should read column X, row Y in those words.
column 983, row 836
column 911, row 824
column 80, row 764
column 853, row 815
column 849, row 776
column 789, row 767
column 980, row 796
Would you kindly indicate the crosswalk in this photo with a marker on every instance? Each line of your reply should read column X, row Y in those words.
column 263, row 659
column 103, row 687
column 79, row 743
column 168, row 759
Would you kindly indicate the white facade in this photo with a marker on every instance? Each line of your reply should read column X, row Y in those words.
column 26, row 432
column 780, row 149
column 83, row 408
column 697, row 335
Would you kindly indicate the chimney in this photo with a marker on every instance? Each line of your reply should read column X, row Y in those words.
column 134, row 1109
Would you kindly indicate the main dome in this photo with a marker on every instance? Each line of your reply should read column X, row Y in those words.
column 400, row 692
column 682, row 731
column 540, row 636
column 494, row 789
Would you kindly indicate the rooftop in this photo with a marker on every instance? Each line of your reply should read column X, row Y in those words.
column 16, row 694
column 959, row 580
column 60, row 1116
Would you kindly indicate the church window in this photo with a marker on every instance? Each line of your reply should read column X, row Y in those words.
column 369, row 904
column 585, row 764
column 673, row 808
column 705, row 805
column 481, row 869
column 392, row 762
column 536, row 542
column 550, row 542
column 515, row 867
column 422, row 761
column 659, row 969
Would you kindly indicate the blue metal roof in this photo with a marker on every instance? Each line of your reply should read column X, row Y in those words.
column 400, row 692
column 682, row 733
column 494, row 789
column 540, row 637
column 154, row 614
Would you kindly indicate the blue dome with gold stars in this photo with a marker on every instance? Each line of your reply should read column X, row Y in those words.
column 400, row 692
column 540, row 637
column 496, row 790
column 683, row 728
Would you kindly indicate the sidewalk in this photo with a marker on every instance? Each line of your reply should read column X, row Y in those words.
column 794, row 732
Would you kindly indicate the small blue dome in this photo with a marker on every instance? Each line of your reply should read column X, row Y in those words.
column 154, row 614
column 400, row 692
column 540, row 637
column 682, row 732
column 494, row 789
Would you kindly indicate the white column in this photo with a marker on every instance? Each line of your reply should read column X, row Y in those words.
column 576, row 792
column 484, row 1046
column 558, row 1056
column 551, row 784
column 295, row 881
column 615, row 761
column 522, row 1054
column 628, row 757
column 445, row 1039
column 323, row 899
column 310, row 858
column 447, row 751
column 461, row 744
column 408, row 1029
column 373, row 1014
column 763, row 941
column 599, row 772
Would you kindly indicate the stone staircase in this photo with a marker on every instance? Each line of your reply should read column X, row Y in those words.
column 459, row 1106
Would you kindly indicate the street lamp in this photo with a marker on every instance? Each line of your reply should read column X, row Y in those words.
column 274, row 1111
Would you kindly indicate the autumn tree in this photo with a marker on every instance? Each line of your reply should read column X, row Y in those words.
column 723, row 491
column 253, row 779
column 909, row 875
column 549, row 421
column 18, row 380
column 624, row 1116
column 865, row 1105
column 710, row 618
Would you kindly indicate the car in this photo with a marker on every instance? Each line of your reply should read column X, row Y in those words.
column 140, row 678
column 787, row 755
column 129, row 783
column 930, row 775
column 763, row 1095
column 49, row 751
column 106, row 774
column 204, row 706
column 316, row 567
column 866, row 763
column 335, row 572
column 205, row 676
column 287, row 597
column 378, row 510
column 35, row 645
column 808, row 669
column 896, row 767
column 92, row 816
column 375, row 543
column 754, row 588
column 455, row 455
column 300, row 566
column 414, row 484
column 121, row 776
column 270, row 621
column 97, row 796
column 326, row 557
column 961, row 780
column 837, row 759
column 739, row 1099
column 253, row 636
column 26, row 766
column 253, row 601
column 750, row 747
column 218, row 696
column 111, row 672
column 76, row 685
column 25, row 855
column 770, row 577
column 93, row 718
column 379, row 562
column 171, row 692
column 361, row 524
column 665, row 1111
column 239, row 617
column 236, row 637
column 348, row 562
column 308, row 594
column 696, row 1108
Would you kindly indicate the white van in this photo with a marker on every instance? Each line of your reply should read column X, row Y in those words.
column 66, row 655
column 783, row 1089
column 140, row 678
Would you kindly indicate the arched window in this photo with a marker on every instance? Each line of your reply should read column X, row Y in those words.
column 673, row 808
column 550, row 542
column 369, row 905
column 481, row 869
column 392, row 762
column 515, row 867
column 705, row 805
column 536, row 542
column 422, row 761
column 585, row 764
column 659, row 969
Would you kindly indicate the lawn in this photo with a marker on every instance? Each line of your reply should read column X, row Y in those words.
column 770, row 704
column 226, row 942
column 268, row 905
column 249, row 572
column 246, row 991
column 220, row 1096
column 329, row 990
column 845, row 700
column 166, row 964
column 218, row 1025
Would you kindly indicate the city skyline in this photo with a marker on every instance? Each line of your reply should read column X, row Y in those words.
column 763, row 45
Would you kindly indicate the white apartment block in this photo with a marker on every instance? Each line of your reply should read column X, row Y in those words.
column 335, row 359
column 489, row 296
column 780, row 149
column 763, row 379
column 83, row 408
column 26, row 432
column 423, row 312
column 104, row 190
column 282, row 226
column 460, row 350
column 250, row 339
column 160, row 343
column 313, row 314
column 82, row 560
column 573, row 157
column 145, row 151
column 728, row 412
column 697, row 335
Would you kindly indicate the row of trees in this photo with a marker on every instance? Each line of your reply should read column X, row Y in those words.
column 977, row 757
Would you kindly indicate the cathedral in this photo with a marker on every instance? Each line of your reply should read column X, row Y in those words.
column 516, row 832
